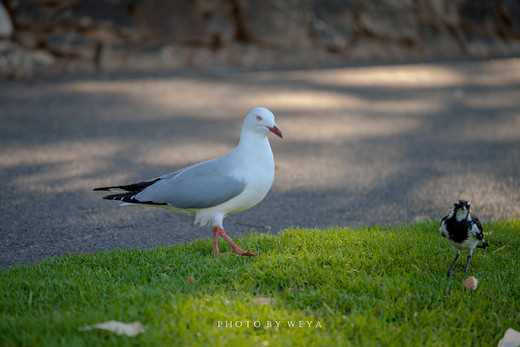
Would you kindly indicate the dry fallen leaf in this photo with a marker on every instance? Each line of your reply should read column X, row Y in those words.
column 261, row 301
column 511, row 339
column 498, row 249
column 129, row 329
column 471, row 283
column 190, row 280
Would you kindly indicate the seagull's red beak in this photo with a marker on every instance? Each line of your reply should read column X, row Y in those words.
column 275, row 131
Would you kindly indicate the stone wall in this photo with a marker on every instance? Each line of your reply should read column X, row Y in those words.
column 101, row 35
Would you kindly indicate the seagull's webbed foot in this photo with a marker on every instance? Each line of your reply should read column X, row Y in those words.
column 220, row 231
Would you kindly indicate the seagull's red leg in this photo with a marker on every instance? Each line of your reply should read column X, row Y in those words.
column 215, row 241
column 220, row 231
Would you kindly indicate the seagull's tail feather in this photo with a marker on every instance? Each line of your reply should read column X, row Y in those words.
column 133, row 188
column 124, row 197
column 129, row 199
column 127, row 193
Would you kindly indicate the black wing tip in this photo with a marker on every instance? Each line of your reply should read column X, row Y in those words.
column 129, row 198
column 124, row 197
column 133, row 188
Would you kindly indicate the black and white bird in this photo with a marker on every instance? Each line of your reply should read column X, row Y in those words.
column 213, row 189
column 463, row 231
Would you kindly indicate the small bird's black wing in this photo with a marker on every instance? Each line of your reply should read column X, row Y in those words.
column 476, row 221
column 442, row 228
column 480, row 234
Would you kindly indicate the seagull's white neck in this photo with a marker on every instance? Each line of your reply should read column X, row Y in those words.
column 255, row 150
column 253, row 141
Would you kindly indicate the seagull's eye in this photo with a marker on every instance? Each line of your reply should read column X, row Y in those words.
column 258, row 118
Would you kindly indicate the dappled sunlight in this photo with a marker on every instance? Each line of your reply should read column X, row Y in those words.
column 62, row 168
column 59, row 152
column 305, row 101
column 67, row 177
column 414, row 76
column 338, row 129
column 400, row 76
column 489, row 196
column 318, row 171
column 170, row 98
column 342, row 102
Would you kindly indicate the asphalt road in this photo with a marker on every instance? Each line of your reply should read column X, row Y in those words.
column 362, row 145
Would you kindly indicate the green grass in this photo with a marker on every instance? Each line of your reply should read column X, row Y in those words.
column 381, row 286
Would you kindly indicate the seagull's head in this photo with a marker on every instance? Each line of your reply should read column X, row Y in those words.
column 461, row 209
column 261, row 120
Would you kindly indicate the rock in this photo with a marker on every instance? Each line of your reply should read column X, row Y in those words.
column 158, row 34
column 16, row 61
column 394, row 20
column 28, row 14
column 252, row 56
column 438, row 13
column 104, row 34
column 382, row 51
column 72, row 44
column 278, row 24
column 117, row 56
column 97, row 13
column 333, row 23
column 510, row 12
column 6, row 26
column 28, row 39
column 480, row 17
column 219, row 20
column 438, row 42
column 173, row 21
column 484, row 46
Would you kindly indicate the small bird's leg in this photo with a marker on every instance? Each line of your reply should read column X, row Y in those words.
column 467, row 262
column 453, row 264
column 220, row 231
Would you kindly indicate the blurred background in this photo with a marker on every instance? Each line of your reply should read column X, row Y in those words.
column 108, row 35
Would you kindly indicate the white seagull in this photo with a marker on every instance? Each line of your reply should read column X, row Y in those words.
column 213, row 189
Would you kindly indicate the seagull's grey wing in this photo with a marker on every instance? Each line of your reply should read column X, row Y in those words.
column 202, row 185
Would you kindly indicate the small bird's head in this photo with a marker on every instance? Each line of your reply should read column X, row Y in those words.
column 461, row 209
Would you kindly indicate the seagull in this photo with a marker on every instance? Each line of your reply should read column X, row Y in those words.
column 462, row 231
column 215, row 188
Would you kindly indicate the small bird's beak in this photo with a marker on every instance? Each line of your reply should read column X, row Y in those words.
column 275, row 131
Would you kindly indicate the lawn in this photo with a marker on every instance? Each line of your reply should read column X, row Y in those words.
column 340, row 286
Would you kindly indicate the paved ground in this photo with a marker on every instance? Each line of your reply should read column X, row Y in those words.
column 363, row 145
